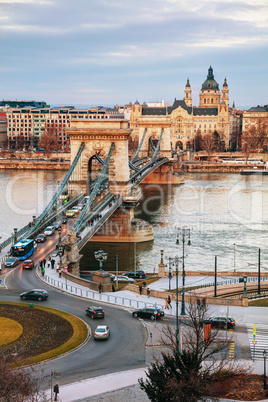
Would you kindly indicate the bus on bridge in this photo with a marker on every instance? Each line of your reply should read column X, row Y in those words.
column 23, row 249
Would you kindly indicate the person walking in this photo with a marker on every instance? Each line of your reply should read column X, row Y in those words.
column 43, row 272
column 58, row 266
column 100, row 288
column 59, row 272
column 52, row 263
column 169, row 302
column 44, row 262
column 166, row 303
column 56, row 391
column 41, row 264
column 140, row 289
column 148, row 292
column 113, row 289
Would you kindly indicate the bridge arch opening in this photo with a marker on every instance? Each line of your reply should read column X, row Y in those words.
column 152, row 144
column 94, row 167
column 179, row 145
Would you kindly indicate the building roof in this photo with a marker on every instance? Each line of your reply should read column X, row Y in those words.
column 258, row 109
column 210, row 83
column 205, row 111
column 163, row 111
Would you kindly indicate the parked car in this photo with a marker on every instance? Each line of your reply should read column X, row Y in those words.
column 102, row 332
column 56, row 225
column 63, row 219
column 35, row 294
column 11, row 262
column 49, row 231
column 95, row 312
column 122, row 278
column 41, row 238
column 28, row 264
column 137, row 274
column 220, row 322
column 70, row 213
column 149, row 313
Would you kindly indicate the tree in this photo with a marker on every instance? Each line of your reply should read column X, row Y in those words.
column 20, row 384
column 198, row 141
column 50, row 140
column 254, row 138
column 208, row 143
column 189, row 374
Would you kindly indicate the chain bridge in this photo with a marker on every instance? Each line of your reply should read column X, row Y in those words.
column 102, row 170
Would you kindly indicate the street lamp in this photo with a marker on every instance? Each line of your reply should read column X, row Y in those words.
column 101, row 256
column 264, row 372
column 176, row 260
column 185, row 233
column 245, row 285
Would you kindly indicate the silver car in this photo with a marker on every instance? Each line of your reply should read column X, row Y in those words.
column 49, row 231
column 102, row 332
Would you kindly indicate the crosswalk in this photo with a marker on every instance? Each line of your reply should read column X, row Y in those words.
column 261, row 338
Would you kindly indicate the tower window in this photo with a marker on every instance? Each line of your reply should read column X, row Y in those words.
column 211, row 100
column 205, row 100
column 188, row 95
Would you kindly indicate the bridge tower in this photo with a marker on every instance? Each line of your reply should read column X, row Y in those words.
column 98, row 137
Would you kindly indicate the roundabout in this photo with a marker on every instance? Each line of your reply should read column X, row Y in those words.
column 32, row 334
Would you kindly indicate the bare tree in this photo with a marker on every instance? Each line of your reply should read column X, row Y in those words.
column 197, row 142
column 208, row 144
column 254, row 138
column 50, row 140
column 19, row 384
column 188, row 373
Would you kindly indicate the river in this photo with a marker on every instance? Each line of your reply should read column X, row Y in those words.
column 227, row 215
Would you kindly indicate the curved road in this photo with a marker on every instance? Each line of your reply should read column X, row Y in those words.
column 124, row 350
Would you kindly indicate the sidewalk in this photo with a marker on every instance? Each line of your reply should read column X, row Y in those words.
column 121, row 386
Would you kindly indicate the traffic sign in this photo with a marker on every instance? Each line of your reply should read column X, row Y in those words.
column 254, row 342
column 254, row 337
column 254, row 329
column 0, row 280
column 151, row 335
column 65, row 268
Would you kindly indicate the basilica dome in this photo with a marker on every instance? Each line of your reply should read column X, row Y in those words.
column 210, row 83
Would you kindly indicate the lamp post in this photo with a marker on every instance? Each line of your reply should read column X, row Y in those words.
column 245, row 285
column 177, row 302
column 234, row 257
column 169, row 273
column 135, row 264
column 185, row 233
column 259, row 272
column 264, row 370
column 101, row 256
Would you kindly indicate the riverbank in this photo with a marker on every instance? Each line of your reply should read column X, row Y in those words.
column 24, row 164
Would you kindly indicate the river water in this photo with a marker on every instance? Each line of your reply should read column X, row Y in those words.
column 227, row 215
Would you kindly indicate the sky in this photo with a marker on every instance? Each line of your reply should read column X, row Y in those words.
column 107, row 52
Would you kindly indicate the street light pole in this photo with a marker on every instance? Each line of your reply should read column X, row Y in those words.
column 245, row 285
column 185, row 232
column 135, row 268
column 259, row 272
column 177, row 302
column 264, row 371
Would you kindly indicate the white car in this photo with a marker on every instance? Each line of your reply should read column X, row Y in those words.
column 76, row 209
column 49, row 231
column 102, row 332
column 122, row 278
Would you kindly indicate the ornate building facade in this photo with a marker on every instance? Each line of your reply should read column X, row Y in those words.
column 182, row 121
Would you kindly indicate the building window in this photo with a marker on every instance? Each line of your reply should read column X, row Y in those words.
column 205, row 101
column 211, row 100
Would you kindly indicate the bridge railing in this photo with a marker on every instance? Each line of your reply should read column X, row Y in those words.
column 91, row 294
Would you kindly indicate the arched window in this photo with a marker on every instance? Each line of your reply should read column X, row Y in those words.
column 211, row 100
column 205, row 100
column 187, row 95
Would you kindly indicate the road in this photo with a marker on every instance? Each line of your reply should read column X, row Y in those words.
column 124, row 350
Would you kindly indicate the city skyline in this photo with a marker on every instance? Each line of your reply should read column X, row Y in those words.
column 103, row 53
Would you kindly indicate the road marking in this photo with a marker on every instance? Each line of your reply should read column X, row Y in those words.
column 261, row 338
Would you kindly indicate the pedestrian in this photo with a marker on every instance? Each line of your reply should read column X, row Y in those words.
column 100, row 288
column 148, row 292
column 169, row 302
column 59, row 272
column 144, row 284
column 52, row 263
column 43, row 272
column 41, row 264
column 58, row 266
column 140, row 289
column 56, row 391
column 166, row 303
column 113, row 289
column 44, row 262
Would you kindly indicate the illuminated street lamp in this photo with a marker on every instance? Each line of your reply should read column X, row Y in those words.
column 101, row 256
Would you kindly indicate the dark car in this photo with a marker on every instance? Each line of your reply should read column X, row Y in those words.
column 35, row 294
column 149, row 313
column 41, row 238
column 220, row 322
column 28, row 264
column 63, row 219
column 11, row 262
column 137, row 274
column 56, row 225
column 95, row 312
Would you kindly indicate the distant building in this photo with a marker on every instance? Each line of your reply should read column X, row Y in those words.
column 22, row 103
column 26, row 125
column 3, row 130
column 184, row 121
column 252, row 116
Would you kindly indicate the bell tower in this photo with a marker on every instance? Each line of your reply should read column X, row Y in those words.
column 225, row 93
column 188, row 94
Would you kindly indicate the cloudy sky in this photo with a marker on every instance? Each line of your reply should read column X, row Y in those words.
column 106, row 52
